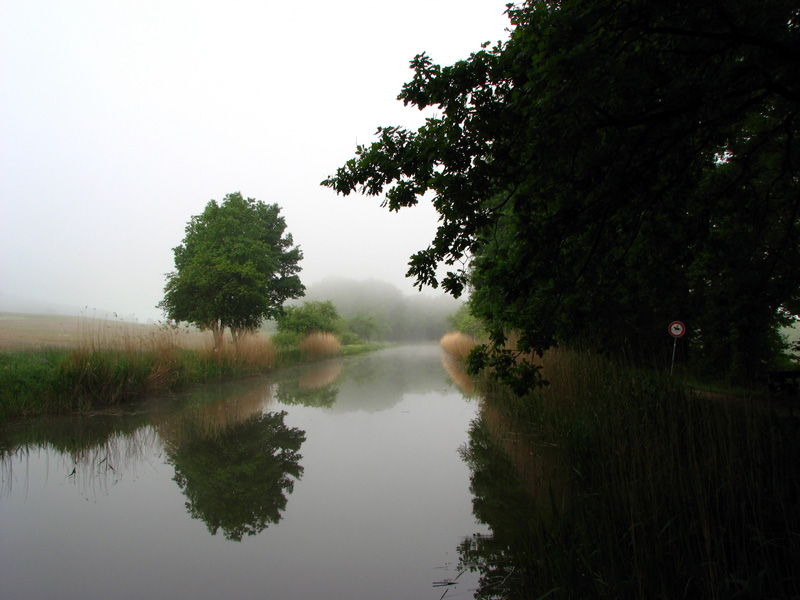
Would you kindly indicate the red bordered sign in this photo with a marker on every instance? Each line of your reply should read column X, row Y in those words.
column 677, row 329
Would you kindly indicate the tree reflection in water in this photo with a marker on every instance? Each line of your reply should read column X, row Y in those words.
column 502, row 503
column 517, row 488
column 237, row 480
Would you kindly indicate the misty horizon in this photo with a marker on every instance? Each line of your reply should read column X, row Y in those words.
column 122, row 120
column 18, row 305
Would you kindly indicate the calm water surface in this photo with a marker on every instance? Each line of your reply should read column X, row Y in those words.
column 342, row 480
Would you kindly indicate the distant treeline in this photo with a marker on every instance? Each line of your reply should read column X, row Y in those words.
column 401, row 317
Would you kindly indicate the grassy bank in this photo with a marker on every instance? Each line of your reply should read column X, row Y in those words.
column 635, row 487
column 108, row 365
column 59, row 380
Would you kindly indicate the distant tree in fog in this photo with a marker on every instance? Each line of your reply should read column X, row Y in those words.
column 311, row 317
column 400, row 317
column 365, row 326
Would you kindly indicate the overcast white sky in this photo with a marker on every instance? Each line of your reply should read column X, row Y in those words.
column 121, row 119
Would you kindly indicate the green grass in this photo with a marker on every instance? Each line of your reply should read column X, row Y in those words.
column 354, row 349
column 105, row 372
column 105, row 369
column 639, row 489
column 28, row 379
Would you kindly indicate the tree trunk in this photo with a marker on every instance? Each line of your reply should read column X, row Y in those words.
column 219, row 331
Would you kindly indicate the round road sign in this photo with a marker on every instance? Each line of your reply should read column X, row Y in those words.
column 677, row 329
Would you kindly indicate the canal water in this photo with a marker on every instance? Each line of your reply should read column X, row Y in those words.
column 338, row 480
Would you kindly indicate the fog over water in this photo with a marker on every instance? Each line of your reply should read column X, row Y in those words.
column 121, row 120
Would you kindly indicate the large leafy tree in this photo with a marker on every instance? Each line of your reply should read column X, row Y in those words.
column 612, row 166
column 235, row 268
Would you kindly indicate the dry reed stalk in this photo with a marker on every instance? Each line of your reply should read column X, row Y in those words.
column 254, row 351
column 574, row 379
column 320, row 344
column 457, row 344
column 103, row 334
column 512, row 339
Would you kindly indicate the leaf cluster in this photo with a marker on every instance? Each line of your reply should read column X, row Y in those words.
column 611, row 167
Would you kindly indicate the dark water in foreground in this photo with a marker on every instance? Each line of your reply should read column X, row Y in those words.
column 338, row 481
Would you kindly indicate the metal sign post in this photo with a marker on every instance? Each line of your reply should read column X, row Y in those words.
column 676, row 330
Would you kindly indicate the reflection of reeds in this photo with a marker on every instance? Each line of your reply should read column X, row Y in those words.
column 540, row 466
column 120, row 453
column 457, row 344
column 92, row 455
column 210, row 419
column 89, row 467
column 320, row 344
column 457, row 374
column 321, row 375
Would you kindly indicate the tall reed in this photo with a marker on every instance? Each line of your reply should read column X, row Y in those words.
column 668, row 494
column 457, row 344
column 320, row 344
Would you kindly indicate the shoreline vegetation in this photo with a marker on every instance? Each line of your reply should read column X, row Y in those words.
column 99, row 362
column 632, row 485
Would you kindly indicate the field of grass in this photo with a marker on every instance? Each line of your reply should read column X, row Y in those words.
column 24, row 331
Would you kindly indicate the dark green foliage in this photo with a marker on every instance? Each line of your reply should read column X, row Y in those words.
column 291, row 392
column 348, row 337
column 234, row 269
column 309, row 318
column 322, row 316
column 464, row 321
column 610, row 168
column 255, row 462
column 27, row 379
column 288, row 341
